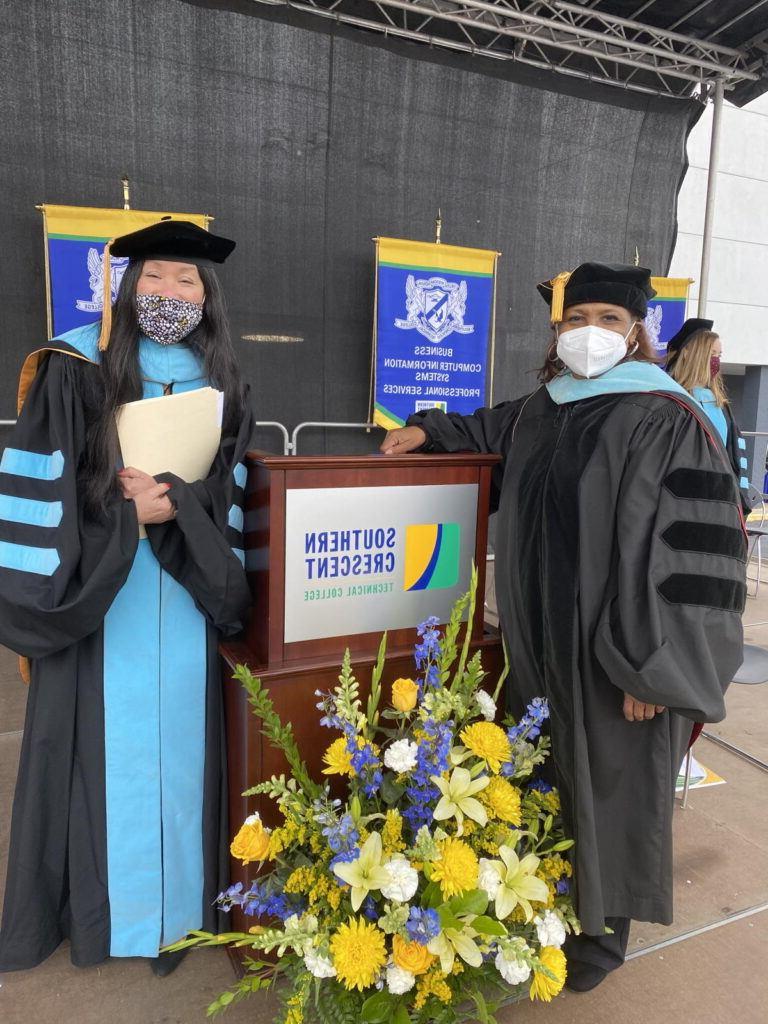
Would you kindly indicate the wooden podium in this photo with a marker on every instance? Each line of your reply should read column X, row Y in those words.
column 307, row 520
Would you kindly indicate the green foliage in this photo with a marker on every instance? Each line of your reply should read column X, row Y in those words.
column 471, row 596
column 259, row 976
column 372, row 711
column 279, row 735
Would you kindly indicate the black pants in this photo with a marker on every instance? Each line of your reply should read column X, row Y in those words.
column 604, row 951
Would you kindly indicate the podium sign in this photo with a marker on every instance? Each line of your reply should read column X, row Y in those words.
column 375, row 558
column 339, row 549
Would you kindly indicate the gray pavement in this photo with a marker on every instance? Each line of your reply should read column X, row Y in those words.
column 714, row 974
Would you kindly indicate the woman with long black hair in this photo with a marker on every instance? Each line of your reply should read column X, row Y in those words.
column 117, row 840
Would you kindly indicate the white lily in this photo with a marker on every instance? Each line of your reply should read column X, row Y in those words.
column 458, row 798
column 451, row 941
column 366, row 873
column 518, row 884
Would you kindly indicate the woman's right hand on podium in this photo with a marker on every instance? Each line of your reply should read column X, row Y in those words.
column 406, row 439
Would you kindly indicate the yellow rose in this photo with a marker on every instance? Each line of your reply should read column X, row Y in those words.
column 404, row 694
column 252, row 841
column 411, row 956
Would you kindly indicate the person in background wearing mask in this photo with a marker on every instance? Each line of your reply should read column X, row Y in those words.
column 693, row 360
column 118, row 840
column 620, row 584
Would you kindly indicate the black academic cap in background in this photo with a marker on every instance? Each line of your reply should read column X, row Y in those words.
column 692, row 326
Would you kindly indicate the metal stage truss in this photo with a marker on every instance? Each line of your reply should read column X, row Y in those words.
column 588, row 40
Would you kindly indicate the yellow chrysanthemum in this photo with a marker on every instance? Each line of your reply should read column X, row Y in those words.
column 457, row 868
column 488, row 741
column 392, row 832
column 432, row 984
column 502, row 800
column 543, row 987
column 358, row 953
column 338, row 759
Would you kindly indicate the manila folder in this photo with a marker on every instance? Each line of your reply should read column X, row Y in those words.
column 177, row 434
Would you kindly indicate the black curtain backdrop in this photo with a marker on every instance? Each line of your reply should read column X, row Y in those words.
column 305, row 140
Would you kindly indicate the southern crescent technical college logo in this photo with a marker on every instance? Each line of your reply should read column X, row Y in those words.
column 431, row 556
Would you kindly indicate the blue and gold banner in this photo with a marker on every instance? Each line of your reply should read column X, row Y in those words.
column 433, row 328
column 75, row 237
column 666, row 312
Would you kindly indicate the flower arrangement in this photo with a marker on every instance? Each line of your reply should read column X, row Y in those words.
column 436, row 889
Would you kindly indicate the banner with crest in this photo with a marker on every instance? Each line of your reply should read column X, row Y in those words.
column 74, row 246
column 433, row 328
column 666, row 312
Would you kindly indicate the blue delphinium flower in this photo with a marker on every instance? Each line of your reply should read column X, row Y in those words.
column 432, row 758
column 529, row 726
column 428, row 624
column 422, row 925
column 432, row 676
column 540, row 785
column 563, row 886
column 342, row 836
column 429, row 649
column 369, row 909
column 366, row 765
column 258, row 902
column 231, row 897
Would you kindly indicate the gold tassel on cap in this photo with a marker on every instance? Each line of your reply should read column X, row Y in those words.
column 106, row 313
column 558, row 295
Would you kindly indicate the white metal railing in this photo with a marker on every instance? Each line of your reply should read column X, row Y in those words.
column 335, row 426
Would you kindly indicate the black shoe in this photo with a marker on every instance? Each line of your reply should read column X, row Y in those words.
column 167, row 963
column 583, row 977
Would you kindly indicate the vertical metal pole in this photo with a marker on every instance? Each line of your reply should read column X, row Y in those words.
column 714, row 153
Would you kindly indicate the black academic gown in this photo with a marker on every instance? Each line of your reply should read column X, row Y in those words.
column 60, row 572
column 619, row 568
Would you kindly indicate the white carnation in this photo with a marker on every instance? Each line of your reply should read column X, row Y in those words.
column 399, row 981
column 488, row 878
column 403, row 880
column 401, row 756
column 550, row 929
column 512, row 970
column 319, row 966
column 487, row 705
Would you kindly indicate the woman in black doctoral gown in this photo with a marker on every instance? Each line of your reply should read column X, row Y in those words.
column 620, row 569
column 118, row 840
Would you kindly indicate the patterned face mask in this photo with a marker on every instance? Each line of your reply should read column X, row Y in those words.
column 165, row 320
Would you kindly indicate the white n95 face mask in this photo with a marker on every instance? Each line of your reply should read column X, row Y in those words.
column 589, row 351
